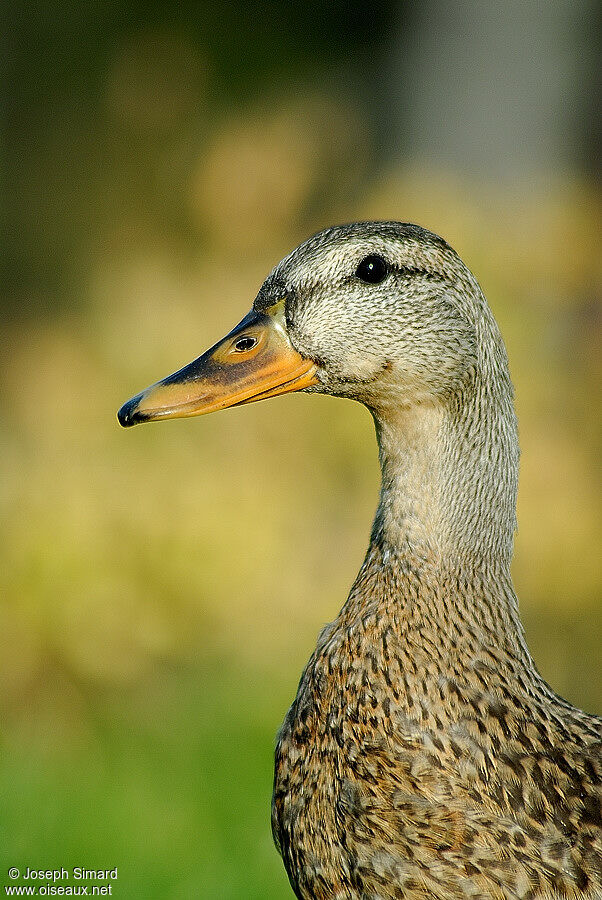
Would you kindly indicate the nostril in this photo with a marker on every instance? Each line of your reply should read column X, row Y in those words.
column 245, row 343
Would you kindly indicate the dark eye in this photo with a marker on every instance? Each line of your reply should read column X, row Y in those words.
column 245, row 343
column 372, row 269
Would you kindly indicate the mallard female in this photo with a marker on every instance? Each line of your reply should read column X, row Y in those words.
column 424, row 756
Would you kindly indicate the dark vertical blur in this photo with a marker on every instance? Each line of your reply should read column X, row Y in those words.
column 103, row 97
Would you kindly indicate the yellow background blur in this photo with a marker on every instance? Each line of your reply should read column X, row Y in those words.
column 161, row 589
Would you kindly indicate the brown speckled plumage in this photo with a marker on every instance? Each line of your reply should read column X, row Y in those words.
column 424, row 756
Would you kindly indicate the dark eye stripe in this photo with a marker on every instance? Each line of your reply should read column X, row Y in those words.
column 411, row 271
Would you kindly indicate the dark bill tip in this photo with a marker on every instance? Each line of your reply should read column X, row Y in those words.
column 129, row 415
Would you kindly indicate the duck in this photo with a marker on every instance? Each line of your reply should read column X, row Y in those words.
column 423, row 756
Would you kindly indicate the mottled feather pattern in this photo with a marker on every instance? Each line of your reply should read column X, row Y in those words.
column 416, row 763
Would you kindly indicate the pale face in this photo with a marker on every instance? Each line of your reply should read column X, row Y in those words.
column 380, row 315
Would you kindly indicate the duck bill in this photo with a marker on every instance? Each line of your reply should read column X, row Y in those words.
column 254, row 361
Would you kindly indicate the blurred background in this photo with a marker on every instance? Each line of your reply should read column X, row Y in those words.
column 161, row 589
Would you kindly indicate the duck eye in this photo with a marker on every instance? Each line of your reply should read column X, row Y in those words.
column 372, row 269
column 245, row 343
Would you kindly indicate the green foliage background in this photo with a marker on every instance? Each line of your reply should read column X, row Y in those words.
column 161, row 589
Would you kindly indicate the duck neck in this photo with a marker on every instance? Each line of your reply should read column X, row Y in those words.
column 441, row 543
column 449, row 480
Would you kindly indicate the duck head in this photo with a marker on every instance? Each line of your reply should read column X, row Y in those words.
column 386, row 314
column 380, row 312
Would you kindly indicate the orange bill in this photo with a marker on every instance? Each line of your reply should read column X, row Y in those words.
column 253, row 362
